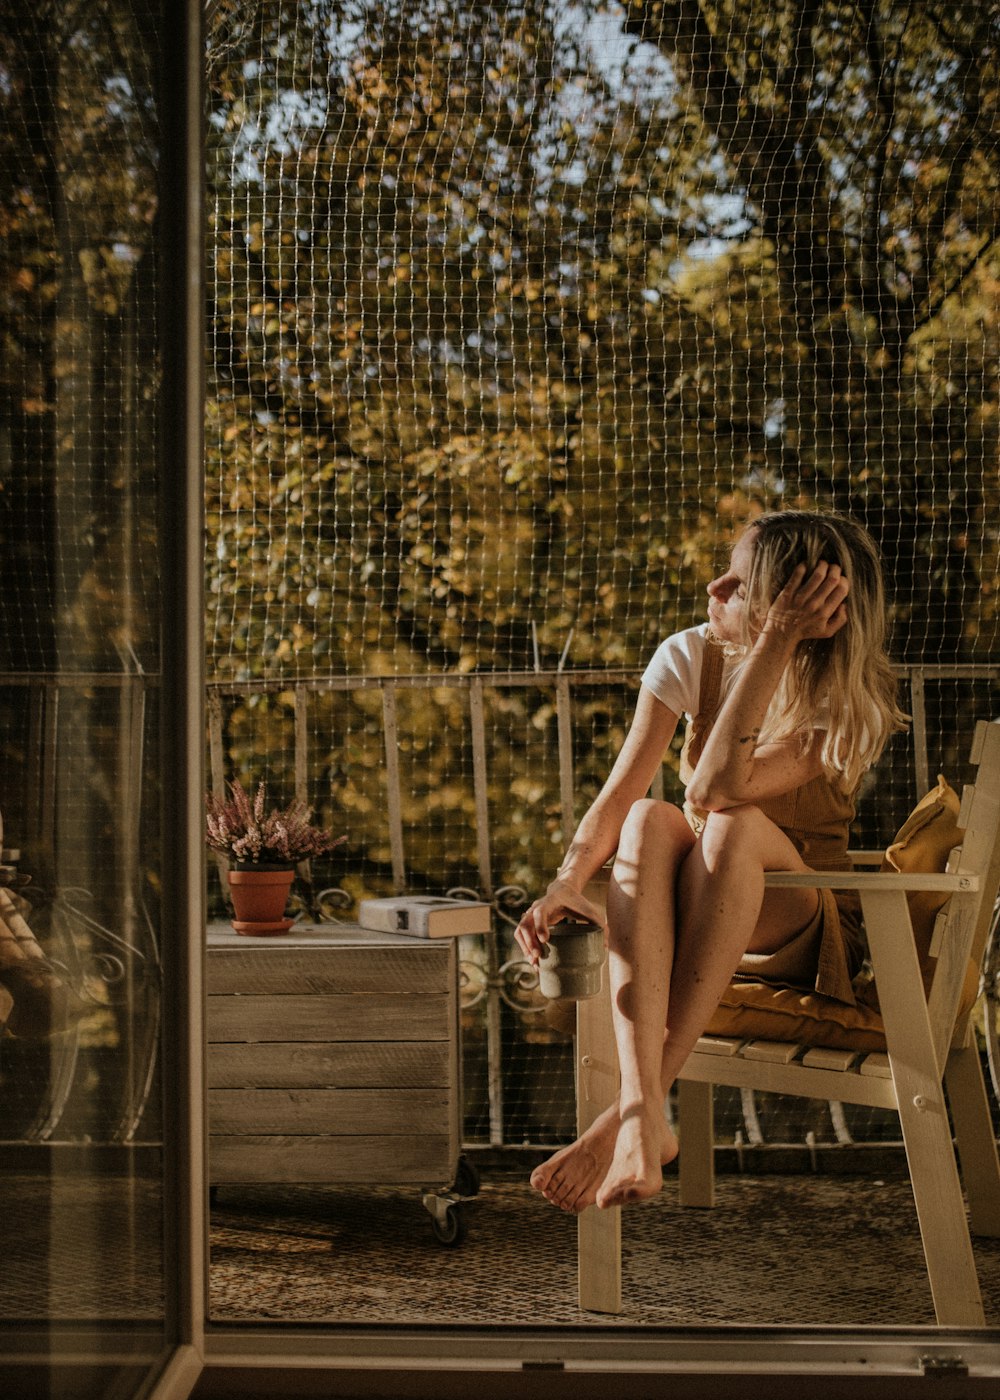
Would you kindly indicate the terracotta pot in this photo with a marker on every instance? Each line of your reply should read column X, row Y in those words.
column 259, row 897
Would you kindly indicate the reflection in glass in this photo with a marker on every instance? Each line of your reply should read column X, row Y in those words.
column 79, row 965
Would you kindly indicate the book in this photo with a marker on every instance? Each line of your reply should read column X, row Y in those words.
column 425, row 916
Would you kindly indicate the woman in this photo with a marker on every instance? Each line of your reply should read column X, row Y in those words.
column 790, row 699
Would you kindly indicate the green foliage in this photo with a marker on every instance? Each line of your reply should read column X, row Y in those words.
column 78, row 200
column 517, row 314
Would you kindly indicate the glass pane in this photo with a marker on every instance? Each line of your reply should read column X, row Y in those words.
column 518, row 310
column 81, row 1169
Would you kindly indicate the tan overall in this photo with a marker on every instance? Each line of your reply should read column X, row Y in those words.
column 816, row 818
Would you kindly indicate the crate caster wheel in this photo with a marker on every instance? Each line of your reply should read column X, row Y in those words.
column 448, row 1220
column 453, row 1229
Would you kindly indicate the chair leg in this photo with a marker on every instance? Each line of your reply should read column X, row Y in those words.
column 599, row 1232
column 923, row 1114
column 977, row 1148
column 944, row 1227
column 697, row 1165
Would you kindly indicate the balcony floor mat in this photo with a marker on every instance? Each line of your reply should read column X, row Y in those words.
column 774, row 1251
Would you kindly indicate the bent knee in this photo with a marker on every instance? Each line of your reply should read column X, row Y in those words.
column 735, row 826
column 746, row 830
column 736, row 818
column 652, row 820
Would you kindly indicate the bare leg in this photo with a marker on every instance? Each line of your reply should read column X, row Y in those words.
column 726, row 911
column 720, row 896
column 642, row 903
column 641, row 900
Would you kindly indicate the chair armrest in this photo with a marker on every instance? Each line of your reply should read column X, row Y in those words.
column 867, row 880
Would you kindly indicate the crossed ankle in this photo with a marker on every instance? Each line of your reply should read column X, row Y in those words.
column 651, row 1108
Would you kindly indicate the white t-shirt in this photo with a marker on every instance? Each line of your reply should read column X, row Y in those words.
column 674, row 673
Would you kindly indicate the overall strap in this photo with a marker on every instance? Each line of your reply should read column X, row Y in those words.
column 709, row 688
column 712, row 665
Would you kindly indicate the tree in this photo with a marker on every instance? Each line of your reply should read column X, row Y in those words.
column 515, row 305
column 864, row 137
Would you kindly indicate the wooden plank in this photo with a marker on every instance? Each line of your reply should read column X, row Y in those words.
column 938, row 932
column 718, row 1045
column 978, row 740
column 344, row 1112
column 599, row 1232
column 823, row 1057
column 965, row 806
column 455, row 1117
column 977, row 1146
column 697, row 1130
column 876, row 1066
column 303, row 934
column 775, row 1052
column 350, row 1065
column 327, row 1018
column 420, row 1159
column 969, row 916
column 281, row 971
column 981, row 847
column 867, row 880
column 794, row 1078
column 923, row 1113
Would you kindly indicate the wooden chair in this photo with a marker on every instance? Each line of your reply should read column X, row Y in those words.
column 931, row 1062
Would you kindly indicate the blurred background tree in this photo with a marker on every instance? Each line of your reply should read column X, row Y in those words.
column 520, row 310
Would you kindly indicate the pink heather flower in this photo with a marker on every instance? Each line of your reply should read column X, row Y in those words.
column 244, row 831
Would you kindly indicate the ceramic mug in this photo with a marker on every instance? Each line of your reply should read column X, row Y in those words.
column 570, row 967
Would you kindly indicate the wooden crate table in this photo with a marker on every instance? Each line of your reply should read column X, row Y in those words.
column 333, row 1057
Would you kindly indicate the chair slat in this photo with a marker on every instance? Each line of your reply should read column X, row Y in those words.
column 718, row 1045
column 875, row 1066
column 825, row 1057
column 774, row 1052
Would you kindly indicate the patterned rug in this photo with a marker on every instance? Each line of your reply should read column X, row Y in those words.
column 775, row 1250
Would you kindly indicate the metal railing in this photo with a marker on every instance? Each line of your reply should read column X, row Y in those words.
column 119, row 955
column 506, row 981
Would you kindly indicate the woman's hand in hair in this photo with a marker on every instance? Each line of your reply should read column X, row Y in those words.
column 812, row 607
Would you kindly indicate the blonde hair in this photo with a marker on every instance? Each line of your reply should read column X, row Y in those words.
column 847, row 675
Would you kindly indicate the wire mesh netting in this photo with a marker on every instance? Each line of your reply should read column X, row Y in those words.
column 518, row 312
column 78, row 492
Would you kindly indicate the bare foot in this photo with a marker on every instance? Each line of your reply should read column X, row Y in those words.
column 643, row 1147
column 570, row 1178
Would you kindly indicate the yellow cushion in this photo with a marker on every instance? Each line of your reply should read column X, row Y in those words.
column 761, row 1011
column 922, row 846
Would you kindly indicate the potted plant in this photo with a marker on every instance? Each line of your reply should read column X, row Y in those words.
column 262, row 847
